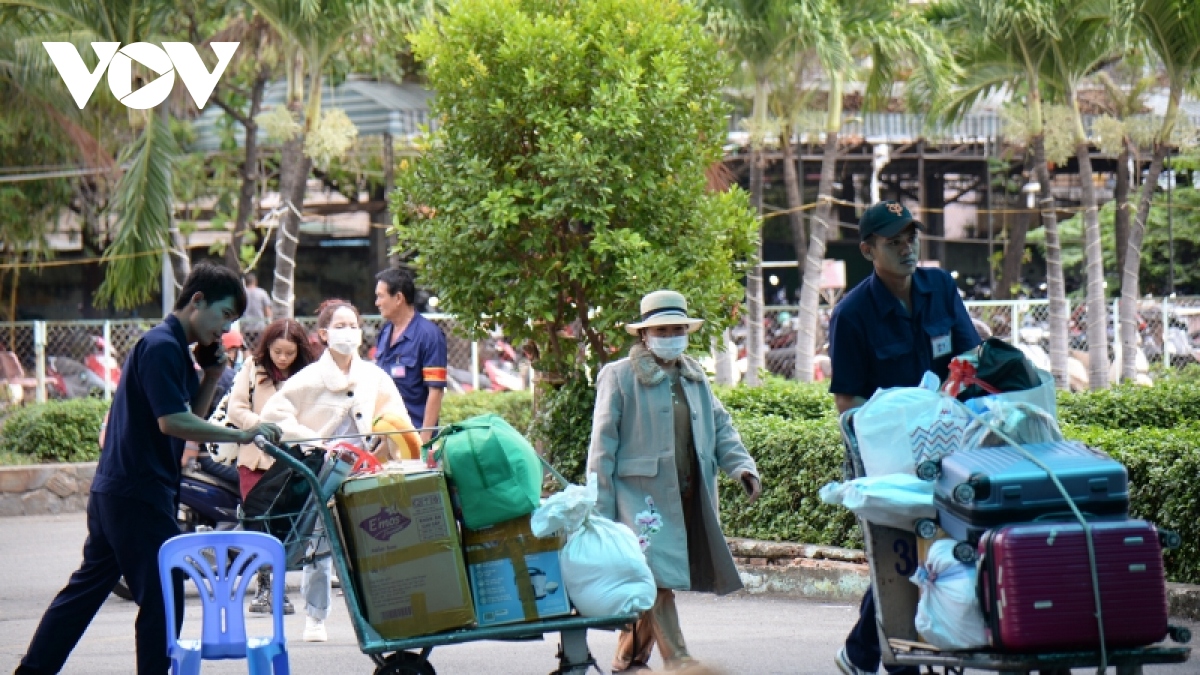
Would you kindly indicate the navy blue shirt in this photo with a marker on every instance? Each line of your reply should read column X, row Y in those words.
column 874, row 343
column 139, row 461
column 416, row 363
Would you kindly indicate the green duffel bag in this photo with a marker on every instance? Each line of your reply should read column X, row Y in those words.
column 495, row 471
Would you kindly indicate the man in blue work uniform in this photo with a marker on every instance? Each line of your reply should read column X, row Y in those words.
column 135, row 493
column 900, row 322
column 410, row 348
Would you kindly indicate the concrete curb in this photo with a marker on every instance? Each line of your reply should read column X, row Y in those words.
column 841, row 575
column 45, row 489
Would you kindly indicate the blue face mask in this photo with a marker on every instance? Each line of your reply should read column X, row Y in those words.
column 668, row 348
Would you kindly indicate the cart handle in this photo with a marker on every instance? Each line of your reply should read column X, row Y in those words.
column 279, row 455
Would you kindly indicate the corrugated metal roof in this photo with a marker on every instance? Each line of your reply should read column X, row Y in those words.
column 374, row 107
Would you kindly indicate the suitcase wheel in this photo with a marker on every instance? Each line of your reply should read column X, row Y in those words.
column 964, row 552
column 964, row 493
column 1179, row 634
column 926, row 528
column 929, row 470
column 1169, row 540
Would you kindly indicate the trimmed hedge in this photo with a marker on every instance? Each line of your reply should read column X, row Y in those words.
column 1166, row 405
column 56, row 431
column 1164, row 468
column 795, row 458
column 516, row 407
column 777, row 396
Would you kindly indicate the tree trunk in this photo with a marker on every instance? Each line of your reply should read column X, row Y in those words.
column 791, row 182
column 754, row 282
column 181, row 261
column 1097, row 310
column 1133, row 263
column 810, row 293
column 1014, row 256
column 293, row 176
column 1056, row 287
column 248, row 195
column 1121, row 196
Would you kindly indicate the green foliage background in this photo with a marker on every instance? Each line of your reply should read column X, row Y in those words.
column 569, row 162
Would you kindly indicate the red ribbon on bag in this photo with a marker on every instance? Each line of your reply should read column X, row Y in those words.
column 962, row 375
column 364, row 461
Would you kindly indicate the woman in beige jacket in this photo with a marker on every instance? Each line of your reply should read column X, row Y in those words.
column 340, row 394
column 283, row 349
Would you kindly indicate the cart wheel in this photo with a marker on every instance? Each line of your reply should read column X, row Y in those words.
column 964, row 552
column 406, row 663
column 1169, row 540
column 929, row 470
column 964, row 493
column 1179, row 634
column 926, row 528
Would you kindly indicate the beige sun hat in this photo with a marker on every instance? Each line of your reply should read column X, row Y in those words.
column 664, row 308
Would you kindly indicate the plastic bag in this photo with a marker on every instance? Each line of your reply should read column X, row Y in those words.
column 1022, row 422
column 897, row 500
column 948, row 614
column 903, row 426
column 1043, row 396
column 603, row 566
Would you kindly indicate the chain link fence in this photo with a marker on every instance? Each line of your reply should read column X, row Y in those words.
column 49, row 360
column 1164, row 346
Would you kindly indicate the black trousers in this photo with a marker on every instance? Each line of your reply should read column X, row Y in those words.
column 862, row 645
column 124, row 536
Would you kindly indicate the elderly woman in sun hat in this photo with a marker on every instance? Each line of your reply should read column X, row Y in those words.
column 659, row 436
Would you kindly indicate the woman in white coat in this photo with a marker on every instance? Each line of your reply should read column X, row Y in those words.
column 659, row 436
column 339, row 394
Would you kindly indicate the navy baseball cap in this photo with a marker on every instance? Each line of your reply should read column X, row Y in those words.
column 886, row 219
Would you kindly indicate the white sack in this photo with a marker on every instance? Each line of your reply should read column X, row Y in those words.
column 896, row 500
column 603, row 566
column 948, row 614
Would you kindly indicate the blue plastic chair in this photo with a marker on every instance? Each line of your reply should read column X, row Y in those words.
column 222, row 592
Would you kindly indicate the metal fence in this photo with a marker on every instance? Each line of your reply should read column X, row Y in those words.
column 1165, row 345
column 69, row 359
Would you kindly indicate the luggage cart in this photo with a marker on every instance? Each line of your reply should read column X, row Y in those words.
column 410, row 656
column 892, row 554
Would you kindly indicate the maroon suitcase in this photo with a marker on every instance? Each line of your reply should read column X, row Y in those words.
column 1035, row 586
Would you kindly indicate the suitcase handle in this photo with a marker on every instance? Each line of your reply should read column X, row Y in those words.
column 1064, row 516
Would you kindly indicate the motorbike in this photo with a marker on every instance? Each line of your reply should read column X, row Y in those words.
column 206, row 503
column 67, row 377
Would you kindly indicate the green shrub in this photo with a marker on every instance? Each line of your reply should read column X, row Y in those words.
column 795, row 458
column 786, row 398
column 1163, row 467
column 516, row 407
column 1129, row 406
column 57, row 431
column 564, row 427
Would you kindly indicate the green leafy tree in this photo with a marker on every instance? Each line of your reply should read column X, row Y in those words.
column 1008, row 44
column 567, row 174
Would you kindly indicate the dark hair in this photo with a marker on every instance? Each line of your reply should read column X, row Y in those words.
column 327, row 308
column 399, row 281
column 215, row 283
column 250, row 278
column 283, row 329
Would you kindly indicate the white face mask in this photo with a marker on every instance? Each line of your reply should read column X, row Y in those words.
column 668, row 348
column 345, row 340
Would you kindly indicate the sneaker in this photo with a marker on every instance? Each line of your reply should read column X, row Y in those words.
column 287, row 606
column 261, row 604
column 314, row 630
column 844, row 664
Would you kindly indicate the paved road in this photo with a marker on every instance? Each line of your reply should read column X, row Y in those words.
column 738, row 634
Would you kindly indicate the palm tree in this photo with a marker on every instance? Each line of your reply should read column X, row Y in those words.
column 895, row 38
column 759, row 35
column 1007, row 44
column 143, row 199
column 1171, row 28
column 1090, row 32
column 312, row 31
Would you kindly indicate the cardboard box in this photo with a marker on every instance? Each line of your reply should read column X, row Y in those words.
column 404, row 550
column 514, row 575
